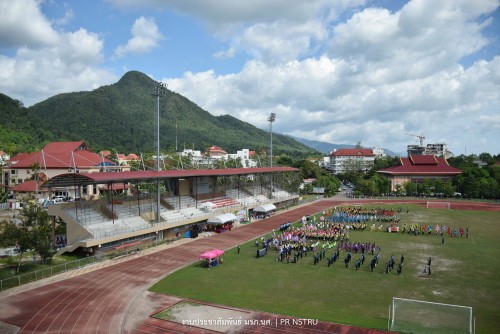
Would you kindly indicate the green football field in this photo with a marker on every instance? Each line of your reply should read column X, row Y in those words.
column 465, row 271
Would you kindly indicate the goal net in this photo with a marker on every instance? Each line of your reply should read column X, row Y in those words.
column 415, row 316
column 438, row 205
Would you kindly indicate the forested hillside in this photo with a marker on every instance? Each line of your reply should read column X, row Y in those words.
column 122, row 117
column 19, row 131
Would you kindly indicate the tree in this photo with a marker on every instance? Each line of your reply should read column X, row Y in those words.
column 33, row 233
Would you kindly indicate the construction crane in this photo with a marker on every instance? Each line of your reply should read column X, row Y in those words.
column 421, row 137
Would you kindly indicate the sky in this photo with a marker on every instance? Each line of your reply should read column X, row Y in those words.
column 379, row 73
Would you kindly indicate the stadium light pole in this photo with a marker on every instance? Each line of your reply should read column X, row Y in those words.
column 271, row 119
column 159, row 90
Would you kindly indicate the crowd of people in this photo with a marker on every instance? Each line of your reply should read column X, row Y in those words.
column 326, row 237
column 358, row 214
column 422, row 229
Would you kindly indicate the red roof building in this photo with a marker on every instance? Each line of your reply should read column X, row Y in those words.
column 343, row 159
column 54, row 159
column 215, row 151
column 418, row 168
column 30, row 186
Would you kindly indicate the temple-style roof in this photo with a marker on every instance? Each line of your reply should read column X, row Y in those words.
column 422, row 165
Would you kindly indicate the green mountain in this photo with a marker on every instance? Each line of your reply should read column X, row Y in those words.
column 19, row 130
column 123, row 117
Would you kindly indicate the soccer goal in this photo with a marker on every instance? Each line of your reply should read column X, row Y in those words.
column 416, row 316
column 438, row 205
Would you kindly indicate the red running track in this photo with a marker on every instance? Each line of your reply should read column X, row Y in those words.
column 102, row 301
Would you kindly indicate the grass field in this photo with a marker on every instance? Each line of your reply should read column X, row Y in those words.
column 464, row 272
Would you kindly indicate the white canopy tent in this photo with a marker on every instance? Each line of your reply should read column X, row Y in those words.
column 265, row 208
column 207, row 205
column 222, row 219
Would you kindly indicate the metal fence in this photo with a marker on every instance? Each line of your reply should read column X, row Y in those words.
column 33, row 276
column 37, row 275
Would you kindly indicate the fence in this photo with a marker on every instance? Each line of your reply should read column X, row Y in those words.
column 47, row 272
column 33, row 276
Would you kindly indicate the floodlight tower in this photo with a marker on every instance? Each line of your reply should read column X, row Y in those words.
column 271, row 119
column 159, row 90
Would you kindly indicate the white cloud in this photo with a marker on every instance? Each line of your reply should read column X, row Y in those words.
column 225, row 54
column 49, row 62
column 269, row 30
column 23, row 24
column 68, row 17
column 145, row 37
column 328, row 70
column 325, row 99
column 280, row 41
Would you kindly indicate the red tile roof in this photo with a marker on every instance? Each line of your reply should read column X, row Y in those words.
column 347, row 152
column 18, row 157
column 62, row 147
column 29, row 186
column 216, row 150
column 422, row 165
column 423, row 159
column 133, row 156
column 61, row 155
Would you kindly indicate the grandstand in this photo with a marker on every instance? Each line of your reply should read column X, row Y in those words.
column 108, row 222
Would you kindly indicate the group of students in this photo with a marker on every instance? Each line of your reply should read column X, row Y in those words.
column 429, row 229
column 361, row 215
column 326, row 238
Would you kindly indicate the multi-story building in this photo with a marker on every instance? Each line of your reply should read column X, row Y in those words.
column 54, row 159
column 245, row 158
column 438, row 149
column 348, row 159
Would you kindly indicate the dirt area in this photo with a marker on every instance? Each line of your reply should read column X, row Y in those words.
column 204, row 316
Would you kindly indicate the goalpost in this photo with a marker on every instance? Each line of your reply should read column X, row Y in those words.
column 438, row 205
column 416, row 316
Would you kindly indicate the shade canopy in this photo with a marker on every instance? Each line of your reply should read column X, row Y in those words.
column 219, row 252
column 222, row 219
column 265, row 208
column 207, row 205
column 208, row 255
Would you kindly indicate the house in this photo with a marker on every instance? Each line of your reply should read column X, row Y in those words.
column 244, row 157
column 346, row 159
column 4, row 157
column 216, row 152
column 418, row 168
column 125, row 160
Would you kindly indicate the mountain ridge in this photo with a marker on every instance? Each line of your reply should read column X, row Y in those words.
column 122, row 117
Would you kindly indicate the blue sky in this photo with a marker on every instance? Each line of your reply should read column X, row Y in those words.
column 337, row 71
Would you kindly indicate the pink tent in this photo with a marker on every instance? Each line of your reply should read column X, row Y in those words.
column 219, row 252
column 208, row 255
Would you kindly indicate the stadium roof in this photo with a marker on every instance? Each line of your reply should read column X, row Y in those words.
column 76, row 179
